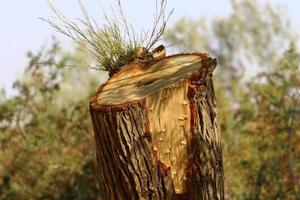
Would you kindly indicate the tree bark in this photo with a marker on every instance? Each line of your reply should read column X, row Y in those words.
column 157, row 137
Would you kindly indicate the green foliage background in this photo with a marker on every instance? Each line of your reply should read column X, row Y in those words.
column 46, row 140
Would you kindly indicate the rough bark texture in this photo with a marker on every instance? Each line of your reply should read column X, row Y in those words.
column 205, row 170
column 126, row 166
column 146, row 149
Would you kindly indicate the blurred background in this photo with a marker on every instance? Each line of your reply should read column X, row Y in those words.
column 46, row 139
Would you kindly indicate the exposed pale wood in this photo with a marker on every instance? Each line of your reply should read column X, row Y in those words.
column 169, row 118
column 156, row 131
column 138, row 80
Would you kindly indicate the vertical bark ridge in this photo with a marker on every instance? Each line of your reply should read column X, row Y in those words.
column 100, row 160
column 105, row 153
column 127, row 141
column 139, row 150
column 116, row 155
column 123, row 152
column 140, row 129
column 127, row 130
column 205, row 169
column 103, row 158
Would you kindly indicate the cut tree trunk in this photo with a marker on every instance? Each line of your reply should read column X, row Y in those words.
column 156, row 131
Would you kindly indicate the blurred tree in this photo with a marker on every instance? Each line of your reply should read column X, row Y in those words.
column 46, row 141
column 252, row 34
column 251, row 39
column 270, row 114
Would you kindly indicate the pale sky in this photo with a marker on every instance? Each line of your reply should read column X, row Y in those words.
column 21, row 30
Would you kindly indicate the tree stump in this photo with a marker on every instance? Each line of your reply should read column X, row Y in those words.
column 156, row 131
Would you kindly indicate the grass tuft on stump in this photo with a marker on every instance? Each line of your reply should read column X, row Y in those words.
column 116, row 43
